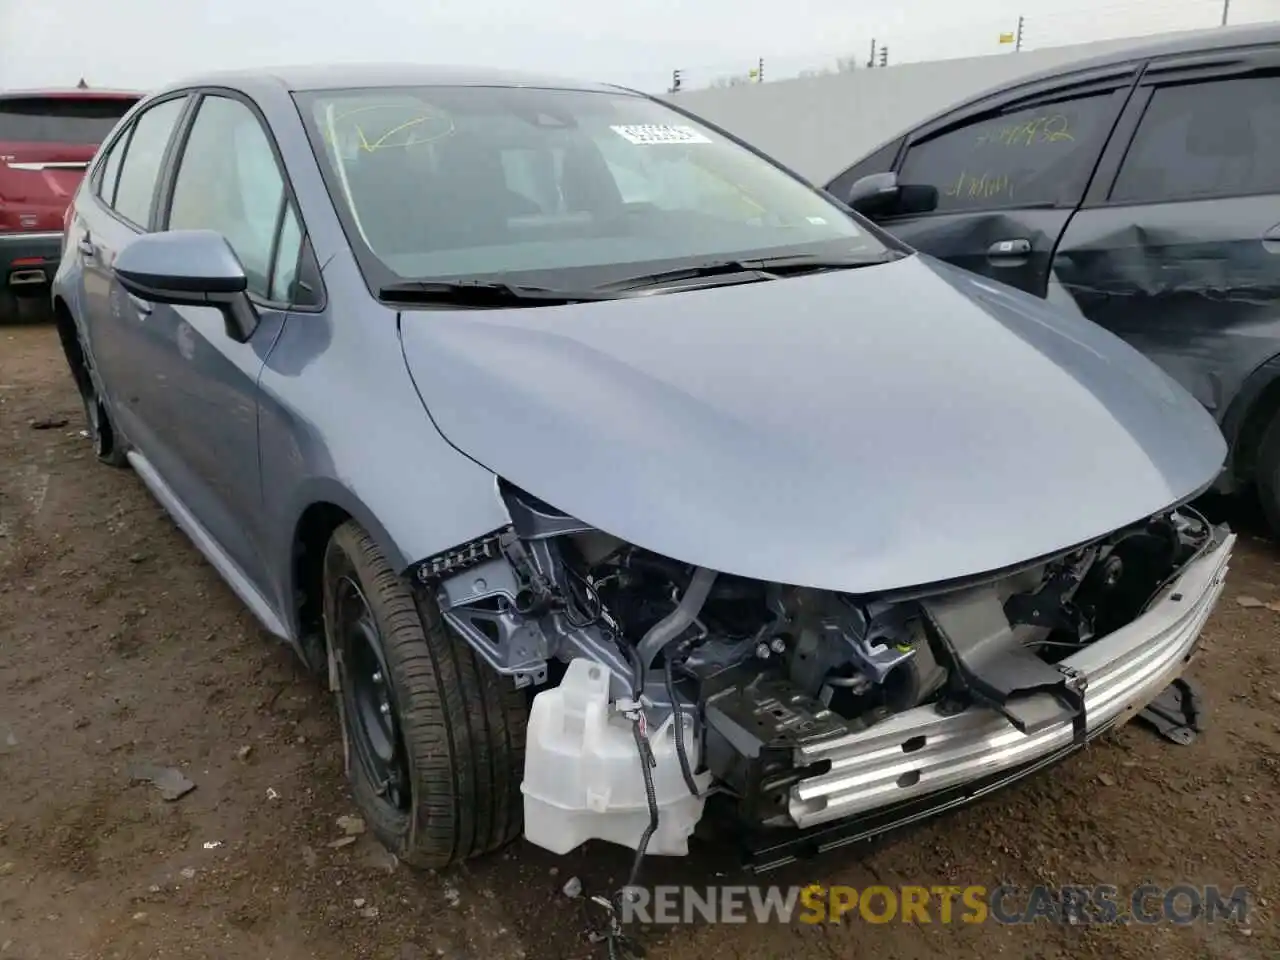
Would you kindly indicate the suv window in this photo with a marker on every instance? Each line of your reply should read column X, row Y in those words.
column 1214, row 139
column 229, row 181
column 77, row 121
column 879, row 162
column 1037, row 155
column 136, row 187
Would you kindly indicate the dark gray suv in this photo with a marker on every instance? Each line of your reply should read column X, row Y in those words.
column 1141, row 188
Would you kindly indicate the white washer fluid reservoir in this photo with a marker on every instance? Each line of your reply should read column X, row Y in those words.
column 582, row 774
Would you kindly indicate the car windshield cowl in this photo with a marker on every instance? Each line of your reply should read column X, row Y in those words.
column 765, row 268
column 480, row 293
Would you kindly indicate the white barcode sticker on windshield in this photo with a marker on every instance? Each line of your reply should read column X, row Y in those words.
column 646, row 133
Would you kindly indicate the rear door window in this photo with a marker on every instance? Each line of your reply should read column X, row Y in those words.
column 1036, row 156
column 72, row 121
column 140, row 169
column 1201, row 140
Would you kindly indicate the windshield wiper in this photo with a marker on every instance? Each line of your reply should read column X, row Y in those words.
column 763, row 268
column 481, row 293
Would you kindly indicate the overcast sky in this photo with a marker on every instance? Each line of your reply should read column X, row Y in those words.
column 138, row 43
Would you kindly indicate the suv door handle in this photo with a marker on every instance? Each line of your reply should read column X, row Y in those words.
column 85, row 246
column 1009, row 249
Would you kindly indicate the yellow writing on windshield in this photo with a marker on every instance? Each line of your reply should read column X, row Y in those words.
column 378, row 126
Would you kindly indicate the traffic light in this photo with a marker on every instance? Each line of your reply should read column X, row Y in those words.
column 884, row 56
column 675, row 81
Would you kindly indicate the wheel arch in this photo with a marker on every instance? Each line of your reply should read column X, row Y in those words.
column 64, row 322
column 1255, row 405
column 323, row 505
column 311, row 533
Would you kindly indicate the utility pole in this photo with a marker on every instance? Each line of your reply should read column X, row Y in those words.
column 1226, row 9
column 871, row 62
column 760, row 70
column 884, row 55
column 675, row 81
column 1017, row 39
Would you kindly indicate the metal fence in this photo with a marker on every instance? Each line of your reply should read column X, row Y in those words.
column 898, row 42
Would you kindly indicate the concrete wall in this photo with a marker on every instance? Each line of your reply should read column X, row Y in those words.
column 819, row 125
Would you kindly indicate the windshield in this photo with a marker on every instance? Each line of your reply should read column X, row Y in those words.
column 565, row 188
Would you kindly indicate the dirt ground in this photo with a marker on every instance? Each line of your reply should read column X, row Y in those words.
column 118, row 644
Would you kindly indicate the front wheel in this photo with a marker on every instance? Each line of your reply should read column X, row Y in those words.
column 434, row 738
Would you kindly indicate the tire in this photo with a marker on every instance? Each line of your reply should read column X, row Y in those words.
column 102, row 434
column 24, row 310
column 107, row 446
column 1268, row 474
column 8, row 307
column 440, row 782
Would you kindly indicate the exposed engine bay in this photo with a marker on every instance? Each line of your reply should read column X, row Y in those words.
column 696, row 681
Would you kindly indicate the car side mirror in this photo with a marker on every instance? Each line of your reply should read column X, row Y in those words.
column 881, row 195
column 192, row 268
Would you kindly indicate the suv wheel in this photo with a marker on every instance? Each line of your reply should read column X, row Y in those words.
column 1268, row 474
column 22, row 309
column 434, row 739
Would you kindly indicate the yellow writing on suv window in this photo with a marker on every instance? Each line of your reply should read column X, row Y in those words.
column 983, row 185
column 1047, row 128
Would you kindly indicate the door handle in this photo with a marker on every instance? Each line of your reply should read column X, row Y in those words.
column 85, row 246
column 1009, row 249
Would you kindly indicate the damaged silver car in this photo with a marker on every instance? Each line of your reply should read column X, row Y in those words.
column 607, row 470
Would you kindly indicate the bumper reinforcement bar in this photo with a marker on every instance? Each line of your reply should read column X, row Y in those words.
column 922, row 752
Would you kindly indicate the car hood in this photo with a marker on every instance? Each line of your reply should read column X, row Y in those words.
column 857, row 430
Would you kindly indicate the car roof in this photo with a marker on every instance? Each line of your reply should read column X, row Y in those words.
column 1190, row 41
column 356, row 75
column 1187, row 42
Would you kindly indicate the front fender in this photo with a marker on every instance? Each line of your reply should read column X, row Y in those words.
column 340, row 422
column 405, row 513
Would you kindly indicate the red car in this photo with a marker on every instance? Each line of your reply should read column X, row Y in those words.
column 47, row 138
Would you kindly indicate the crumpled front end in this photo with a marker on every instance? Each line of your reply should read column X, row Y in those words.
column 660, row 683
column 924, row 750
